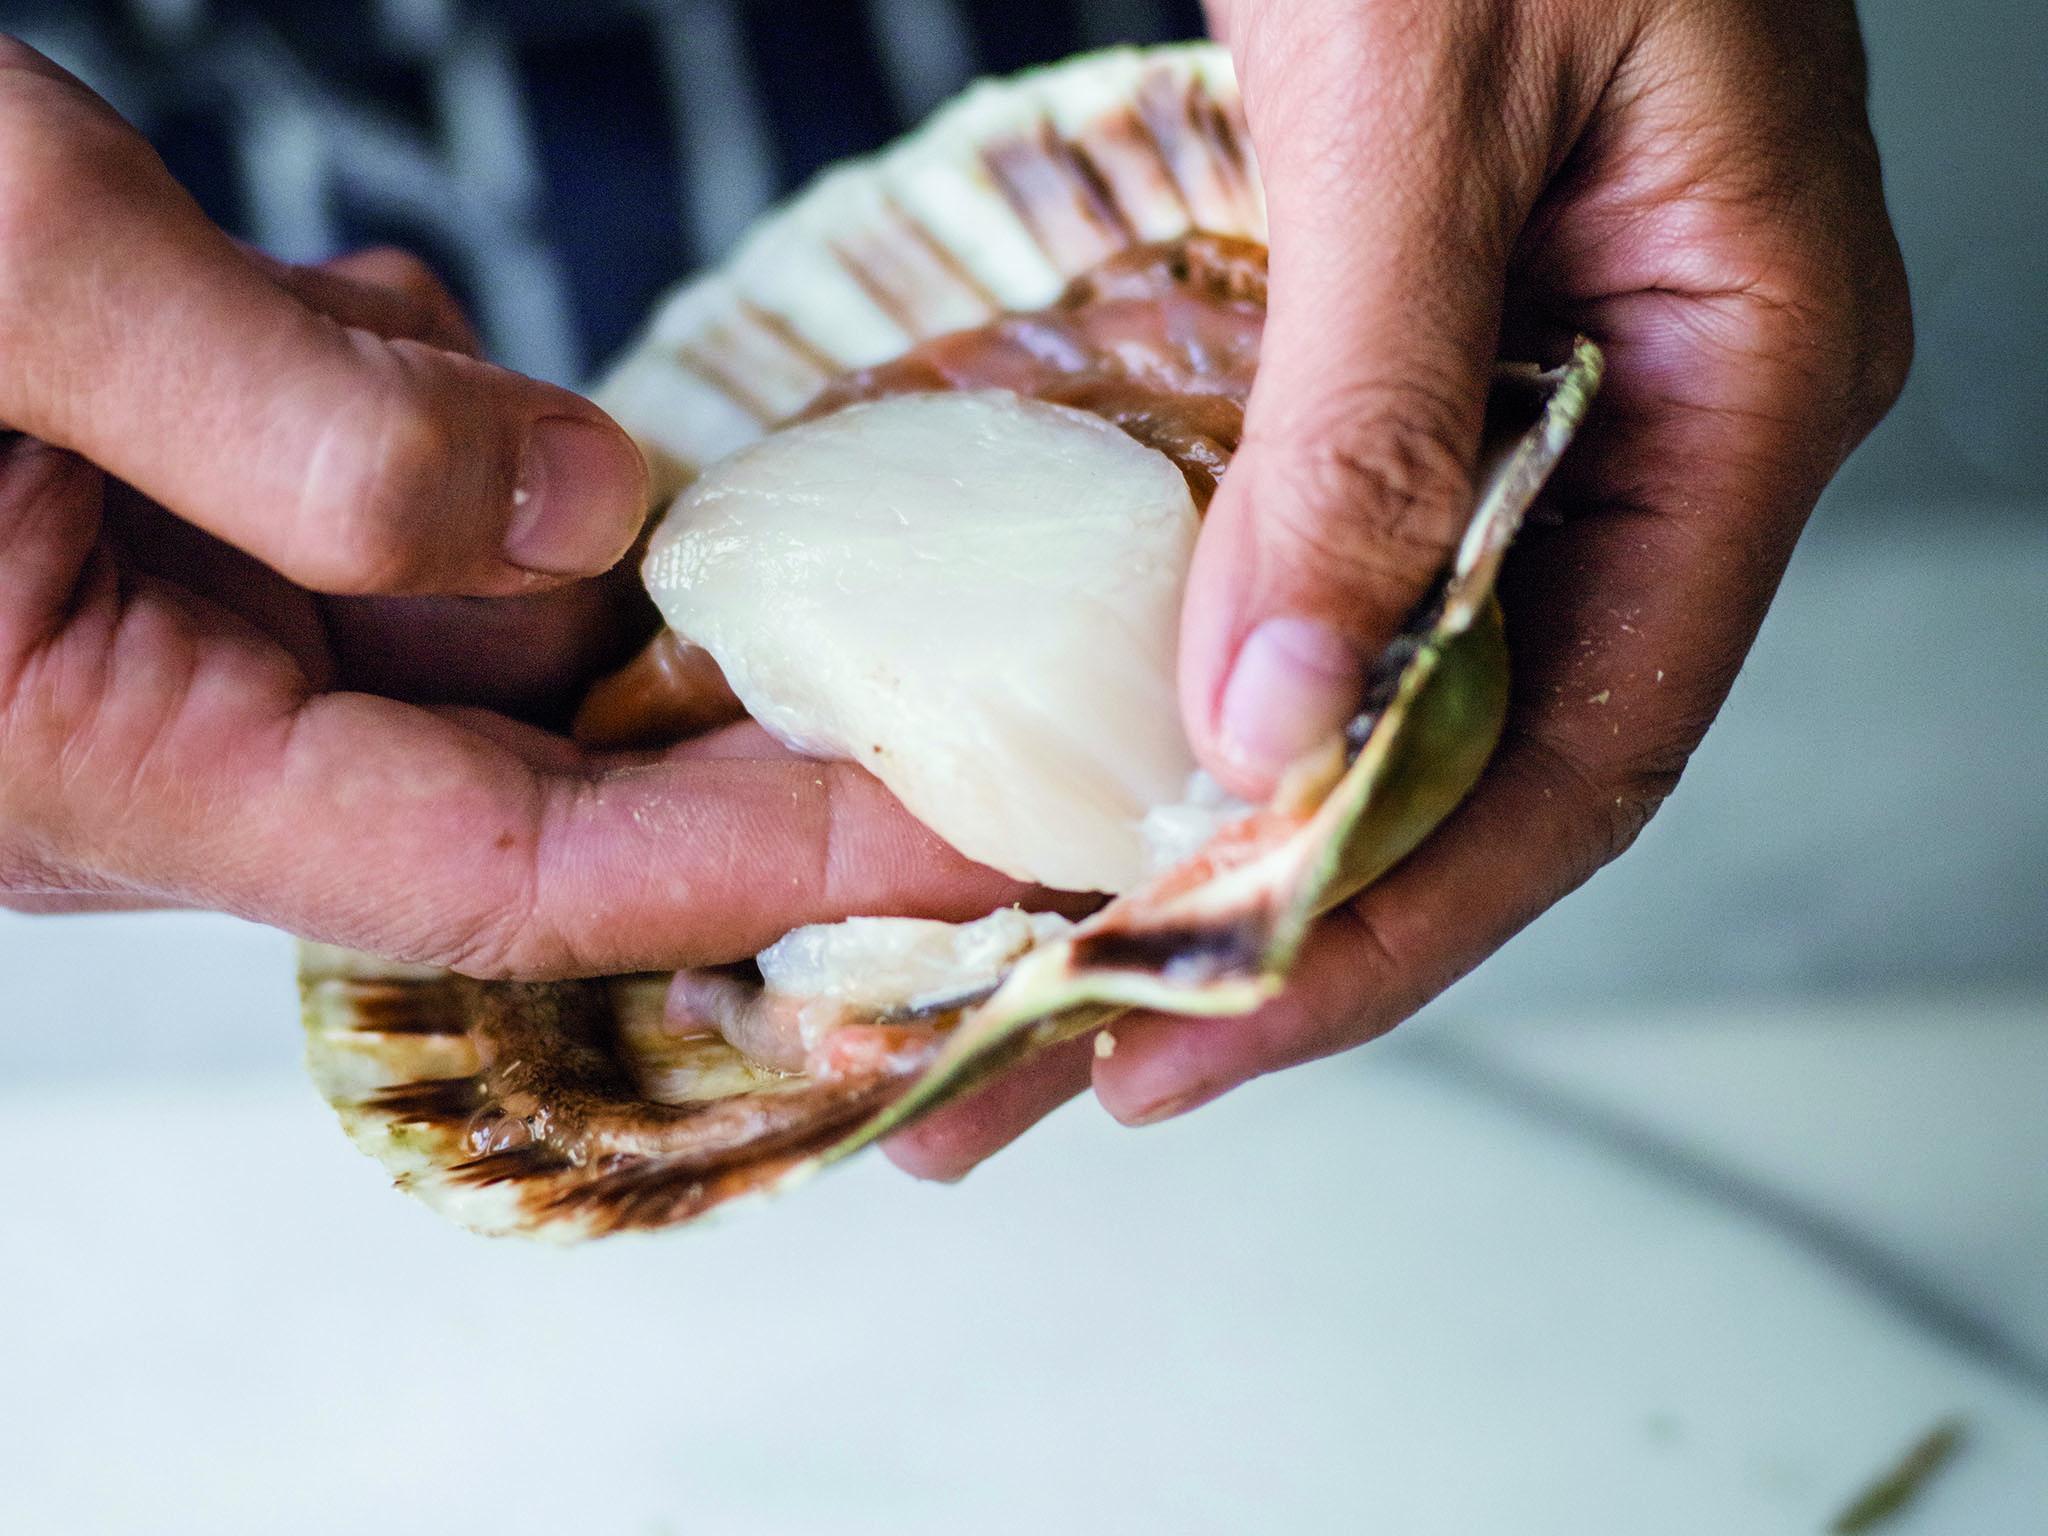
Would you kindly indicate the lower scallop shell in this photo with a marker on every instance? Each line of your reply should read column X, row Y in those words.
column 564, row 1111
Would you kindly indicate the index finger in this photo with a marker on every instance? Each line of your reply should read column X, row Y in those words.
column 140, row 336
column 1627, row 625
column 398, row 831
column 152, row 745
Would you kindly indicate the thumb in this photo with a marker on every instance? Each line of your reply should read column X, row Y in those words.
column 1391, row 210
column 142, row 338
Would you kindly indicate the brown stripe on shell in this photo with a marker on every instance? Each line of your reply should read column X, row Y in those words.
column 613, row 1159
column 759, row 359
column 886, row 299
column 942, row 254
column 914, row 277
column 789, row 337
column 1186, row 954
column 1122, row 153
column 1061, row 200
column 1166, row 108
column 1090, row 176
column 512, row 1166
column 556, row 1116
column 646, row 1195
column 1223, row 128
column 720, row 378
column 388, row 1007
column 432, row 1101
column 1186, row 400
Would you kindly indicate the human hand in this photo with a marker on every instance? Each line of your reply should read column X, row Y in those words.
column 1695, row 186
column 209, row 447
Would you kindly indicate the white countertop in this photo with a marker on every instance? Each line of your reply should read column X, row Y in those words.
column 1705, row 1272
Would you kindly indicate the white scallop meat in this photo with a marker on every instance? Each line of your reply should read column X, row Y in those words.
column 974, row 595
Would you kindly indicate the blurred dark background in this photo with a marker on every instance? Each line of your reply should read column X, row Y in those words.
column 559, row 164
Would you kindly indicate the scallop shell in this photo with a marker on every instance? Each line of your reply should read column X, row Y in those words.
column 1008, row 194
column 593, row 1121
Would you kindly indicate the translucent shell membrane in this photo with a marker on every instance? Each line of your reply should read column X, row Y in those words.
column 569, row 1110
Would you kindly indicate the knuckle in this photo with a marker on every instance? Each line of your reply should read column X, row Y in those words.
column 1888, row 344
column 1383, row 959
column 1827, row 358
column 430, row 310
column 502, row 940
column 396, row 268
column 1615, row 798
column 1831, row 308
column 506, row 930
column 491, row 947
column 366, row 522
column 1382, row 494
column 1632, row 802
column 369, row 533
column 1382, row 966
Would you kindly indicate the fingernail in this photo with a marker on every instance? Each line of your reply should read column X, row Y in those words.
column 1168, row 1109
column 1296, row 683
column 579, row 499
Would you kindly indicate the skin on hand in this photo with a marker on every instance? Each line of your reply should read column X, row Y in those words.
column 246, row 515
column 1692, row 184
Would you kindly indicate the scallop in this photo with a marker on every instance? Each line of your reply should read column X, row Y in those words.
column 976, row 597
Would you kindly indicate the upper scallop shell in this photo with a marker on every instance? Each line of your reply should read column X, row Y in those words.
column 995, row 205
